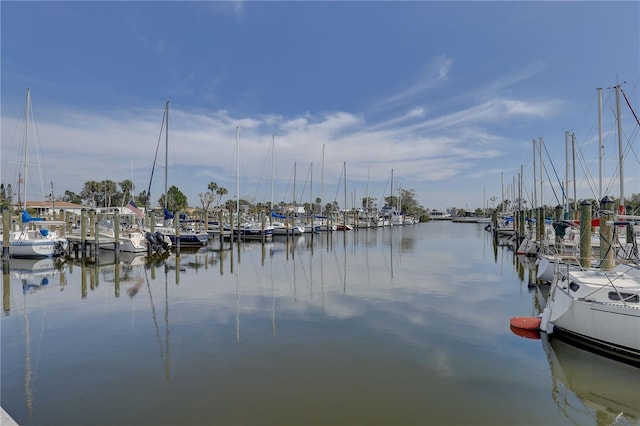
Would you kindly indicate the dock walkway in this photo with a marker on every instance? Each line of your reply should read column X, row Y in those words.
column 5, row 419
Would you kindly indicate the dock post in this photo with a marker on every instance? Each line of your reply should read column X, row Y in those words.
column 83, row 232
column 67, row 220
column 231, row 228
column 264, row 237
column 606, row 234
column 585, row 234
column 116, row 231
column 6, row 224
column 96, row 241
column 220, row 228
column 177, row 232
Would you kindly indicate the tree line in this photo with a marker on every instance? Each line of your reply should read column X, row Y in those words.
column 109, row 193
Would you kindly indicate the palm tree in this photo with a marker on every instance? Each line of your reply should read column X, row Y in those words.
column 89, row 191
column 127, row 188
column 220, row 192
column 110, row 189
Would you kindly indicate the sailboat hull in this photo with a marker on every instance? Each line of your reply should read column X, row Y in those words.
column 27, row 248
column 586, row 306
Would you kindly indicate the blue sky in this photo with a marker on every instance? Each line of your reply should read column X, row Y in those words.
column 448, row 95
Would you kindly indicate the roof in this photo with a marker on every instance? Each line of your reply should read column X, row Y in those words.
column 55, row 204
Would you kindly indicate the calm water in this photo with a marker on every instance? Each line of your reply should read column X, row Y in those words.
column 394, row 326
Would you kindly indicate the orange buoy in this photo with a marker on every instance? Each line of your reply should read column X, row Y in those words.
column 529, row 334
column 526, row 323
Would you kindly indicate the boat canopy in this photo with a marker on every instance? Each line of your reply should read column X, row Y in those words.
column 26, row 217
column 277, row 215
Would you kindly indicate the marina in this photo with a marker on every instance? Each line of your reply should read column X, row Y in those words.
column 394, row 325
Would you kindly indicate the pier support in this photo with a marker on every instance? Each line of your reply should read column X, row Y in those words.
column 606, row 234
column 83, row 233
column 6, row 224
column 585, row 234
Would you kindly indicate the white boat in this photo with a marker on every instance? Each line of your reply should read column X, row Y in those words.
column 34, row 243
column 280, row 228
column 131, row 240
column 39, row 241
column 251, row 230
column 187, row 236
column 598, row 308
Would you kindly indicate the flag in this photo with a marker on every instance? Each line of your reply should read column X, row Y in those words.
column 132, row 206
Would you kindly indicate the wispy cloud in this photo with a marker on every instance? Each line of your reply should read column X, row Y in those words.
column 235, row 8
column 423, row 147
column 433, row 75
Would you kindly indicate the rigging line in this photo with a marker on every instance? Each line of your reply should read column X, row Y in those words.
column 155, row 159
column 630, row 107
column 286, row 189
column 546, row 171
column 588, row 176
column 36, row 137
column 338, row 188
column 304, row 186
column 585, row 168
column 554, row 171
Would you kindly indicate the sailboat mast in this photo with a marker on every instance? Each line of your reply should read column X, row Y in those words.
column 535, row 183
column 26, row 151
column 345, row 191
column 273, row 137
column 391, row 199
column 566, row 172
column 600, row 147
column 621, row 159
column 573, row 161
column 322, row 181
column 166, row 154
column 541, row 176
column 311, row 190
column 238, row 175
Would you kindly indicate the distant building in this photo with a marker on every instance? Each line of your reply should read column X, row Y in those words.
column 48, row 208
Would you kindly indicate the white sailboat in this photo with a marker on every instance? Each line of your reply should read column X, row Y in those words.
column 598, row 307
column 38, row 241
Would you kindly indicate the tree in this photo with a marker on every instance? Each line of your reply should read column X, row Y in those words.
column 71, row 197
column 143, row 198
column 220, row 192
column 206, row 199
column 368, row 203
column 176, row 200
column 89, row 192
column 127, row 188
column 408, row 202
column 391, row 200
column 331, row 208
column 110, row 189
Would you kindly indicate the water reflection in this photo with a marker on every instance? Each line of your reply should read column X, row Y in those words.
column 404, row 325
column 608, row 387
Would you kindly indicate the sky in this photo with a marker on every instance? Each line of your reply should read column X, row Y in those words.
column 330, row 100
